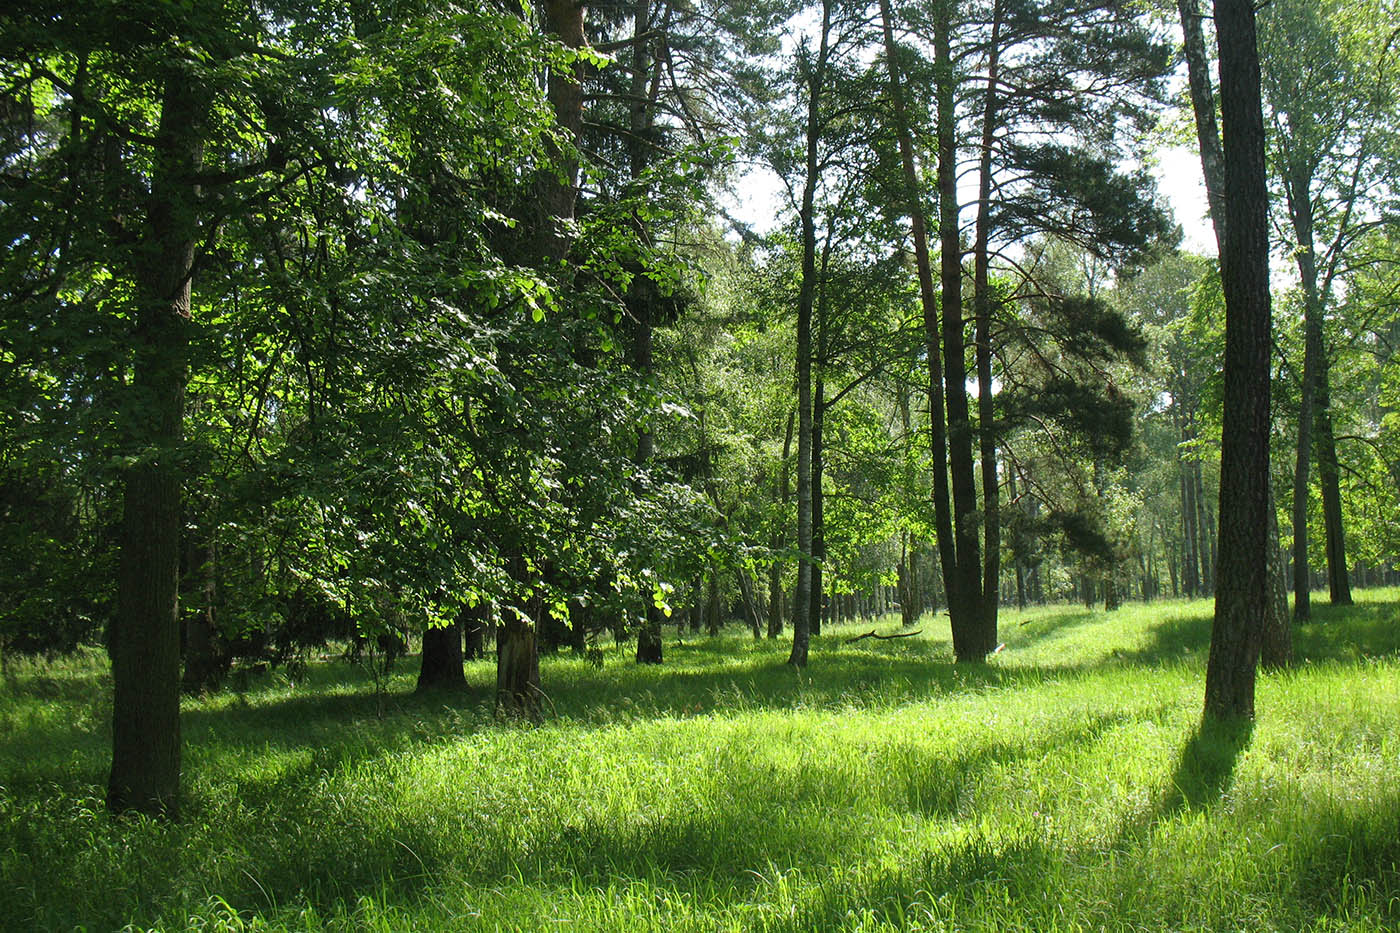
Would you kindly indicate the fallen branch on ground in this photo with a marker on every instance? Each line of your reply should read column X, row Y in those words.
column 871, row 634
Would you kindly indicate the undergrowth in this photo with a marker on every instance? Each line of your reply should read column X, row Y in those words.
column 1065, row 785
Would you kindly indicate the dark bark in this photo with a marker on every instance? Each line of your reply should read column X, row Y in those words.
column 1328, row 474
column 643, row 293
column 440, row 666
column 938, row 442
column 801, row 616
column 818, row 504
column 474, row 624
column 982, row 313
column 1242, row 582
column 144, row 641
column 965, row 597
column 775, row 572
column 205, row 664
column 1213, row 170
column 517, row 645
column 517, row 667
column 1297, row 189
column 563, row 19
column 1276, row 645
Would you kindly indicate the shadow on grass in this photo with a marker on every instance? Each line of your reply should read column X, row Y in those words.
column 1206, row 764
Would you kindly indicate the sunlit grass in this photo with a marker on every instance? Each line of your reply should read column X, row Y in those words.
column 1062, row 786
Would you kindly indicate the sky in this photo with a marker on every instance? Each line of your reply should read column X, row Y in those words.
column 758, row 199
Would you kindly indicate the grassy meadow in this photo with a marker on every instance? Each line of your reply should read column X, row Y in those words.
column 1064, row 785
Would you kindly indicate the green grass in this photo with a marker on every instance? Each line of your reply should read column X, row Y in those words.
column 1063, row 786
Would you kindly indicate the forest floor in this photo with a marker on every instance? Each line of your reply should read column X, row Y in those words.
column 1065, row 785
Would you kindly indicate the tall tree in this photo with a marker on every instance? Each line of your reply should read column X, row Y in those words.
column 1242, row 583
column 1278, row 640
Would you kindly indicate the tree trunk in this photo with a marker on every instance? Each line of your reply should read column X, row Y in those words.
column 1242, row 584
column 714, row 612
column 517, row 667
column 1213, row 170
column 440, row 667
column 564, row 20
column 775, row 572
column 938, row 441
column 982, row 313
column 473, row 621
column 1338, row 584
column 965, row 597
column 801, row 616
column 144, row 641
column 205, row 664
column 818, row 505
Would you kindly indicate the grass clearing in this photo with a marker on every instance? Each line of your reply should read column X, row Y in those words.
column 1063, row 786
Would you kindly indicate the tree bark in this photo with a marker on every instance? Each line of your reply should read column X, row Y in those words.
column 1338, row 584
column 982, row 313
column 557, row 199
column 1213, row 170
column 965, row 596
column 1242, row 582
column 205, row 664
column 440, row 666
column 775, row 572
column 517, row 667
column 938, row 442
column 144, row 642
column 818, row 503
column 802, row 608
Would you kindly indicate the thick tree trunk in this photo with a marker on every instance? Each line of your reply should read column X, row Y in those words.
column 144, row 641
column 1242, row 596
column 965, row 605
column 557, row 198
column 440, row 667
column 517, row 668
column 1213, row 169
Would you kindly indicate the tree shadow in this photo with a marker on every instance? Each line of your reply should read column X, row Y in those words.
column 1206, row 765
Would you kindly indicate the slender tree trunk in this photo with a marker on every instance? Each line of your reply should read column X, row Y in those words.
column 1338, row 584
column 144, row 641
column 775, row 572
column 818, row 504
column 714, row 612
column 913, row 193
column 205, row 664
column 1205, row 526
column 982, row 313
column 1242, row 598
column 801, row 616
column 517, row 645
column 1190, row 515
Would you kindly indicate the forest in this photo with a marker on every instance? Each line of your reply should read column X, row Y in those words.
column 690, row 464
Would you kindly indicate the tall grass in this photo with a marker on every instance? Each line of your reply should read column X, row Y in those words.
column 1065, row 785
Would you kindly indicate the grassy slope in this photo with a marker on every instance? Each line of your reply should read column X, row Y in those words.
column 1063, row 786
